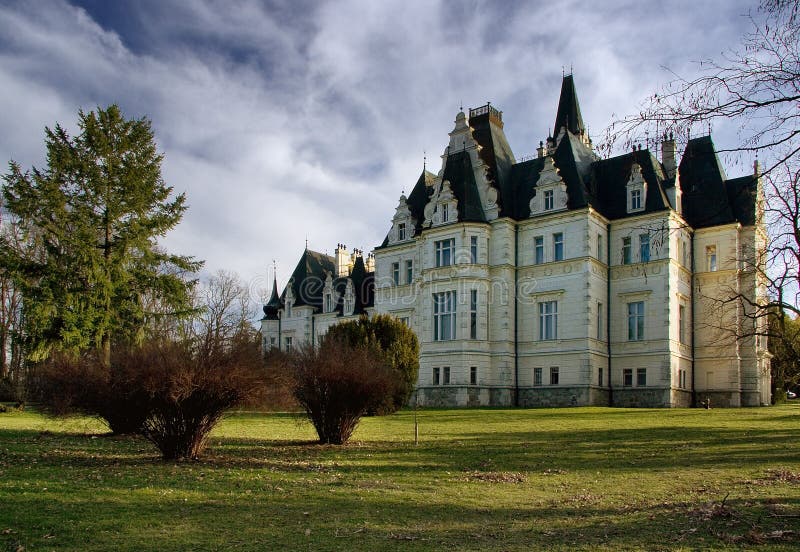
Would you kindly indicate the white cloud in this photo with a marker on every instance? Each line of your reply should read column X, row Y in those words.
column 282, row 123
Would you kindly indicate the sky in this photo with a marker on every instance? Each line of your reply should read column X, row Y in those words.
column 292, row 120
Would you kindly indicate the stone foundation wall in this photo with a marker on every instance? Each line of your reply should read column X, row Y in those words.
column 720, row 399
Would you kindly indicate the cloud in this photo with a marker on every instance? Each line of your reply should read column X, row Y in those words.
column 284, row 121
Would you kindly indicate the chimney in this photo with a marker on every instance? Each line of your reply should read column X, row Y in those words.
column 540, row 150
column 668, row 155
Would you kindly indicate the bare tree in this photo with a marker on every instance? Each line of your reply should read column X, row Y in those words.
column 756, row 86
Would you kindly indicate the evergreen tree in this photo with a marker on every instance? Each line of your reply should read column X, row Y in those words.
column 92, row 218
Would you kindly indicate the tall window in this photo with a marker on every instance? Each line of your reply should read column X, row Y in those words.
column 401, row 231
column 473, row 249
column 600, row 377
column 641, row 377
column 636, row 321
column 636, row 200
column 627, row 377
column 558, row 246
column 445, row 212
column 600, row 321
column 548, row 320
column 328, row 302
column 445, row 375
column 473, row 314
column 644, row 248
column 538, row 249
column 711, row 258
column 435, row 380
column 289, row 342
column 409, row 271
column 473, row 375
column 682, row 323
column 443, row 250
column 600, row 255
column 548, row 200
column 537, row 376
column 444, row 316
column 554, row 375
column 686, row 255
column 288, row 309
column 396, row 273
column 626, row 251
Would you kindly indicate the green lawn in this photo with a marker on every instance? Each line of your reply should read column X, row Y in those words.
column 566, row 479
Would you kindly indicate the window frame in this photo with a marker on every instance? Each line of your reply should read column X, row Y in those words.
column 443, row 251
column 436, row 376
column 396, row 273
column 548, row 320
column 558, row 246
column 554, row 375
column 627, row 250
column 549, row 200
column 538, row 250
column 627, row 377
column 641, row 377
column 401, row 231
column 473, row 314
column 538, row 376
column 636, row 321
column 445, row 375
column 444, row 321
column 636, row 199
column 711, row 258
column 644, row 247
column 473, row 249
column 409, row 271
column 473, row 375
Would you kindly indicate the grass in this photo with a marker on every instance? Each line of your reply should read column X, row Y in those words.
column 566, row 479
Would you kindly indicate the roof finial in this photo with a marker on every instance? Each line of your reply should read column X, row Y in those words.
column 424, row 160
column 460, row 105
column 563, row 73
column 306, row 242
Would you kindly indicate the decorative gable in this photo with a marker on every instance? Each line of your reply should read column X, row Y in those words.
column 403, row 224
column 636, row 190
column 328, row 295
column 442, row 207
column 349, row 299
column 550, row 192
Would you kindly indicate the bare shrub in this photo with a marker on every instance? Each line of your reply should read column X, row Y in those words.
column 337, row 384
column 189, row 391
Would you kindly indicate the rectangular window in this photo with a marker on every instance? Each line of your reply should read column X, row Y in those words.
column 443, row 250
column 636, row 321
column 405, row 320
column 600, row 377
column 328, row 302
column 548, row 320
column 288, row 310
column 537, row 377
column 627, row 377
column 538, row 249
column 446, row 375
column 558, row 246
column 682, row 324
column 548, row 200
column 711, row 258
column 444, row 316
column 409, row 271
column 473, row 249
column 600, row 320
column 445, row 212
column 401, row 231
column 600, row 255
column 473, row 314
column 288, row 342
column 626, row 251
column 396, row 273
column 473, row 375
column 636, row 199
column 644, row 248
column 554, row 375
column 686, row 255
column 641, row 377
column 435, row 380
column 272, row 341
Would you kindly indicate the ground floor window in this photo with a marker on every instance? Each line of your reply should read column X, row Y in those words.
column 473, row 375
column 627, row 377
column 435, row 380
column 554, row 375
column 537, row 376
column 641, row 377
column 446, row 375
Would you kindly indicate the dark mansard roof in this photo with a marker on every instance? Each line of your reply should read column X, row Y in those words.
column 709, row 198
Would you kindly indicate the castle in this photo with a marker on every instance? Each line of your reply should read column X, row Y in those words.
column 564, row 279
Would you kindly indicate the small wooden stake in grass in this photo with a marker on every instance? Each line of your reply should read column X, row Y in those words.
column 416, row 425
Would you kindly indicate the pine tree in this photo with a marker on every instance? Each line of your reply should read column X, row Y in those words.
column 92, row 218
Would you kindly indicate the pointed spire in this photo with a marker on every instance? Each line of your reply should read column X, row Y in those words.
column 569, row 110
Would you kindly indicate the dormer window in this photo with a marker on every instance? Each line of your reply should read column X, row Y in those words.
column 548, row 200
column 550, row 191
column 636, row 200
column 327, row 293
column 402, row 223
column 442, row 207
column 349, row 299
column 637, row 190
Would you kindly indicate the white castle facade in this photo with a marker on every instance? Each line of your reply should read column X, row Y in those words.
column 561, row 280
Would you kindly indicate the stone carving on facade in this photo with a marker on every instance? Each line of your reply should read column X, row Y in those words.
column 550, row 191
column 442, row 207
